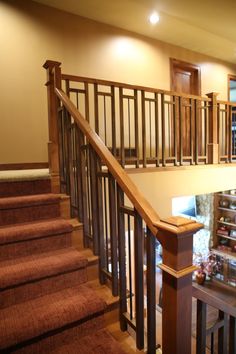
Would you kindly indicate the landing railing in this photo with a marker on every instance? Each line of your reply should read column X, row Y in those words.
column 216, row 318
column 122, row 228
column 143, row 126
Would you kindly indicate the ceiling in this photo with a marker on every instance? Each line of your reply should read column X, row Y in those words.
column 205, row 26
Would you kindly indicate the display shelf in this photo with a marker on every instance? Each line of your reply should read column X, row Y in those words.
column 226, row 223
column 226, row 236
column 227, row 209
column 229, row 255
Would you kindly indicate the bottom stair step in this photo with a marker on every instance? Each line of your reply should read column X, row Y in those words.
column 100, row 342
column 41, row 324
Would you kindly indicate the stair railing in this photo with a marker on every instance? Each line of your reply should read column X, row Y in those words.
column 122, row 228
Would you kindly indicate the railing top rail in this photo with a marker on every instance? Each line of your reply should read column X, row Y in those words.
column 132, row 87
column 228, row 103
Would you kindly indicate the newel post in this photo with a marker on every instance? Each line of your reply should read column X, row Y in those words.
column 176, row 235
column 53, row 80
column 213, row 146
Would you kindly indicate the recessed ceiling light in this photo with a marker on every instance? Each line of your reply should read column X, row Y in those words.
column 154, row 18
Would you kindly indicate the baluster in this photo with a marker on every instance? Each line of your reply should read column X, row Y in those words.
column 102, row 253
column 93, row 172
column 78, row 174
column 157, row 129
column 223, row 333
column 175, row 127
column 136, row 128
column 191, row 131
column 86, row 101
column 113, row 121
column 201, row 328
column 151, row 292
column 96, row 112
column 181, row 127
column 163, row 129
column 232, row 335
column 144, row 130
column 113, row 234
column 122, row 257
column 229, row 112
column 84, row 188
column 122, row 148
column 139, row 284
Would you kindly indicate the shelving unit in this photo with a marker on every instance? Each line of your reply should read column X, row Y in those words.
column 225, row 248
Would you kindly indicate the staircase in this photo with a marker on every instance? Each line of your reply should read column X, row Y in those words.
column 46, row 305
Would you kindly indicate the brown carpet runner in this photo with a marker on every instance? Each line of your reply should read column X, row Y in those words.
column 45, row 305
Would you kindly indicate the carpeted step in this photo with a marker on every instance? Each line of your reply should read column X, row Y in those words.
column 100, row 342
column 19, row 188
column 22, row 279
column 42, row 324
column 21, row 209
column 31, row 238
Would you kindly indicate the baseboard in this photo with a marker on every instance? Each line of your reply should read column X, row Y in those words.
column 23, row 166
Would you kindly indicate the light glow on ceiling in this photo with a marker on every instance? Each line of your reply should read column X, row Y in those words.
column 154, row 18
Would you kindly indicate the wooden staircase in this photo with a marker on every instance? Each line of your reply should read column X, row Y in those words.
column 48, row 298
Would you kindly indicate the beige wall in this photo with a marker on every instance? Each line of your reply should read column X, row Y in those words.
column 160, row 187
column 31, row 33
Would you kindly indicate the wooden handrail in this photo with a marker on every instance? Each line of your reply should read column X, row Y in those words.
column 131, row 87
column 233, row 104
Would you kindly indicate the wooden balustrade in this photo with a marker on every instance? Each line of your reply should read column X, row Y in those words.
column 115, row 215
column 222, row 331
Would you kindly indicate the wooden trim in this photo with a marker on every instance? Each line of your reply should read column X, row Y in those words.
column 23, row 166
column 185, row 66
column 230, row 77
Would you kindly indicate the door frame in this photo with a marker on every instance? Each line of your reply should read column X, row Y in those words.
column 193, row 68
column 233, row 78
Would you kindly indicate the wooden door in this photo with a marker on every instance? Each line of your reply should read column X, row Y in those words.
column 185, row 78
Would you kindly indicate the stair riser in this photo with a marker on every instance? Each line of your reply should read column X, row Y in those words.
column 27, row 214
column 42, row 287
column 49, row 343
column 35, row 246
column 19, row 188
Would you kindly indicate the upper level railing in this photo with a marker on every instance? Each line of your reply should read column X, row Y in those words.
column 122, row 227
column 145, row 127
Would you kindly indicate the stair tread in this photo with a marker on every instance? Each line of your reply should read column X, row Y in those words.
column 24, row 321
column 100, row 342
column 28, row 200
column 34, row 267
column 35, row 229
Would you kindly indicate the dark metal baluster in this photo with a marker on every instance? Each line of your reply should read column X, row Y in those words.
column 129, row 127
column 113, row 121
column 105, row 201
column 181, row 128
column 122, row 149
column 150, row 127
column 175, row 127
column 105, row 119
column 86, row 101
column 113, row 234
column 196, row 130
column 230, row 132
column 139, row 284
column 78, row 174
column 223, row 333
column 122, row 257
column 136, row 128
column 201, row 328
column 84, row 189
column 163, row 126
column 144, row 130
column 232, row 335
column 212, row 343
column 130, row 270
column 96, row 112
column 151, row 292
column 94, row 206
column 157, row 129
column 192, row 130
column 100, row 211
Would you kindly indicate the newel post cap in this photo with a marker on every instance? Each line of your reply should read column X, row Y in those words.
column 50, row 64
